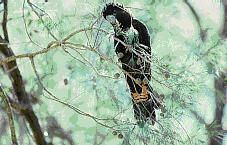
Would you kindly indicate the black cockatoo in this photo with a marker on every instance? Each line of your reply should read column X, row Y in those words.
column 132, row 46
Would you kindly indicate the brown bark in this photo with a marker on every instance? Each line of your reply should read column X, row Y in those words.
column 17, row 82
column 220, row 88
column 10, row 116
column 224, row 31
column 19, row 90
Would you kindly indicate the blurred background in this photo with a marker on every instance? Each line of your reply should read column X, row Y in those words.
column 66, row 86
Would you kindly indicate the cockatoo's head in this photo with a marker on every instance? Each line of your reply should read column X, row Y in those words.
column 117, row 16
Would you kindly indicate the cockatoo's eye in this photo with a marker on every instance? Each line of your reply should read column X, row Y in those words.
column 112, row 19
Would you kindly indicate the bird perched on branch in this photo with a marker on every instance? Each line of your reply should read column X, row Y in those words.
column 132, row 46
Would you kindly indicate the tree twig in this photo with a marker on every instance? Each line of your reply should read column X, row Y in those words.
column 10, row 116
column 202, row 32
column 4, row 21
column 19, row 89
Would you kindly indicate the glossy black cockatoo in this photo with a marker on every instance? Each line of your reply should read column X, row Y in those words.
column 132, row 46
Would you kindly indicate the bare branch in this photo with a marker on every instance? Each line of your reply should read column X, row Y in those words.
column 10, row 116
column 224, row 31
column 202, row 32
column 19, row 89
column 40, row 17
column 4, row 21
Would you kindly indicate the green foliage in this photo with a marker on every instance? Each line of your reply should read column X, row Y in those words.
column 183, row 68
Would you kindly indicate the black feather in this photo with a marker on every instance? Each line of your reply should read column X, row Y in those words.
column 134, row 62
